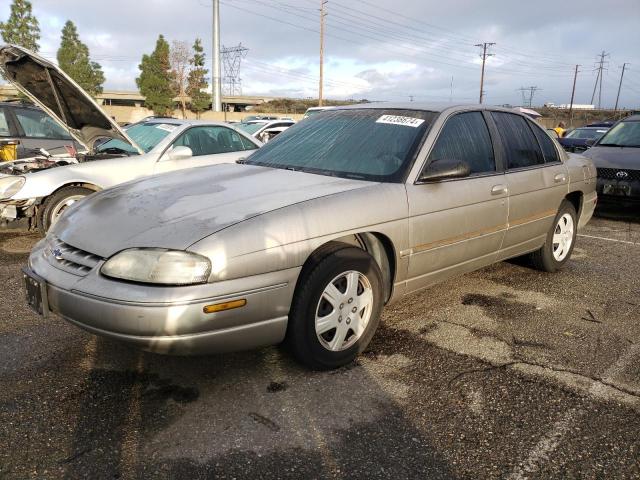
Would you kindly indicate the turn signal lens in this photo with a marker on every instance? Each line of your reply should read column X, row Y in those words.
column 220, row 307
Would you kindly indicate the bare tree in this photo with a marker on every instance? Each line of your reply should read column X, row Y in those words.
column 179, row 58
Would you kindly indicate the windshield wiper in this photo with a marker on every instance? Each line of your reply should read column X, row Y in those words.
column 617, row 145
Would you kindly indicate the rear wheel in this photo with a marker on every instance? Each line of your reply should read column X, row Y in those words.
column 560, row 241
column 56, row 204
column 336, row 308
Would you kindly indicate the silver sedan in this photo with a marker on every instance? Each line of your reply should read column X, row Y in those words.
column 306, row 240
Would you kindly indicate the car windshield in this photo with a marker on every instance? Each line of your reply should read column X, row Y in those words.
column 586, row 133
column 624, row 134
column 250, row 128
column 367, row 144
column 146, row 135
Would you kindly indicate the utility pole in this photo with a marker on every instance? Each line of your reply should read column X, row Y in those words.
column 322, row 15
column 411, row 98
column 216, row 104
column 615, row 109
column 573, row 93
column 484, row 57
column 600, row 69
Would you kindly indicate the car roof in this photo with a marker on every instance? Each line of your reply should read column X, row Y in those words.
column 19, row 103
column 178, row 121
column 427, row 106
column 632, row 118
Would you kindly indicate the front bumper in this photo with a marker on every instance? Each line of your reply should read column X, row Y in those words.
column 170, row 319
column 619, row 192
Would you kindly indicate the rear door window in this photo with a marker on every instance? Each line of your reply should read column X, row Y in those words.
column 521, row 148
column 37, row 124
column 466, row 137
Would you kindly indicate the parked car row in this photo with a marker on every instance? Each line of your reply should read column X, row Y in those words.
column 43, row 186
column 301, row 240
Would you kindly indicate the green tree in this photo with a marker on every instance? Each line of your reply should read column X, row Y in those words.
column 22, row 27
column 197, row 81
column 73, row 58
column 156, row 80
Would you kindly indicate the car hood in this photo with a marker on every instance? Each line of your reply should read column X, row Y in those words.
column 614, row 157
column 175, row 210
column 57, row 94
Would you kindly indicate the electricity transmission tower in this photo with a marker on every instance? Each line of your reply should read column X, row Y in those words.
column 527, row 100
column 231, row 61
column 600, row 67
column 484, row 55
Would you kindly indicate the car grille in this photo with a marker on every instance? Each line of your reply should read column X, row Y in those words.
column 70, row 259
column 612, row 174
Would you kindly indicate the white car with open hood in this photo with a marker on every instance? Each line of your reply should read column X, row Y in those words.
column 41, row 188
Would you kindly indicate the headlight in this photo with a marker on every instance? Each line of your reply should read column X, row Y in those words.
column 156, row 265
column 9, row 186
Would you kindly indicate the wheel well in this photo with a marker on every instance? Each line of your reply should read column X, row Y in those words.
column 576, row 200
column 379, row 246
column 89, row 186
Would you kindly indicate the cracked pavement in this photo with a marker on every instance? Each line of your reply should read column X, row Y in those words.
column 502, row 373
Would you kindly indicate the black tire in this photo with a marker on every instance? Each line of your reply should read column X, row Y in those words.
column 324, row 266
column 48, row 208
column 543, row 259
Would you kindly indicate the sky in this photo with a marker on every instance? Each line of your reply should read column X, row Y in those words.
column 385, row 50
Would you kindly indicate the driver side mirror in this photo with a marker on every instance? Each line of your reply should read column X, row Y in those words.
column 590, row 142
column 179, row 153
column 444, row 170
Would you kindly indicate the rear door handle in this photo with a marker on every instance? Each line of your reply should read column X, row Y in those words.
column 560, row 178
column 499, row 190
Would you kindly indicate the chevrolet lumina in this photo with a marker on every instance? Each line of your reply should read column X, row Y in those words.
column 306, row 240
column 43, row 187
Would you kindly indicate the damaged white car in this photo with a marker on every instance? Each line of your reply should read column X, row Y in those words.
column 42, row 187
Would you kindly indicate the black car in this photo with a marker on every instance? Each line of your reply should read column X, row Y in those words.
column 24, row 129
column 581, row 138
column 617, row 157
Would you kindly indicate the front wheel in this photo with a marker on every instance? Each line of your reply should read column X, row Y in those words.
column 55, row 205
column 560, row 241
column 336, row 308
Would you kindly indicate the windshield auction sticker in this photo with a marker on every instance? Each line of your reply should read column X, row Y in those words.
column 399, row 120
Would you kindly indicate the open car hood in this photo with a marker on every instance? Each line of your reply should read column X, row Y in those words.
column 57, row 94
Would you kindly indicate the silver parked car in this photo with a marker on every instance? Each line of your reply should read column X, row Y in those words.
column 306, row 240
column 43, row 187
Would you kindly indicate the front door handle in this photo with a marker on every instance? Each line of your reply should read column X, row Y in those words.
column 499, row 190
column 560, row 178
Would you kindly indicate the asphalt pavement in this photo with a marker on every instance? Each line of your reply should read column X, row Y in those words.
column 503, row 373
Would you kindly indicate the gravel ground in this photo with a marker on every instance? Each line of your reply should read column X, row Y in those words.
column 503, row 373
